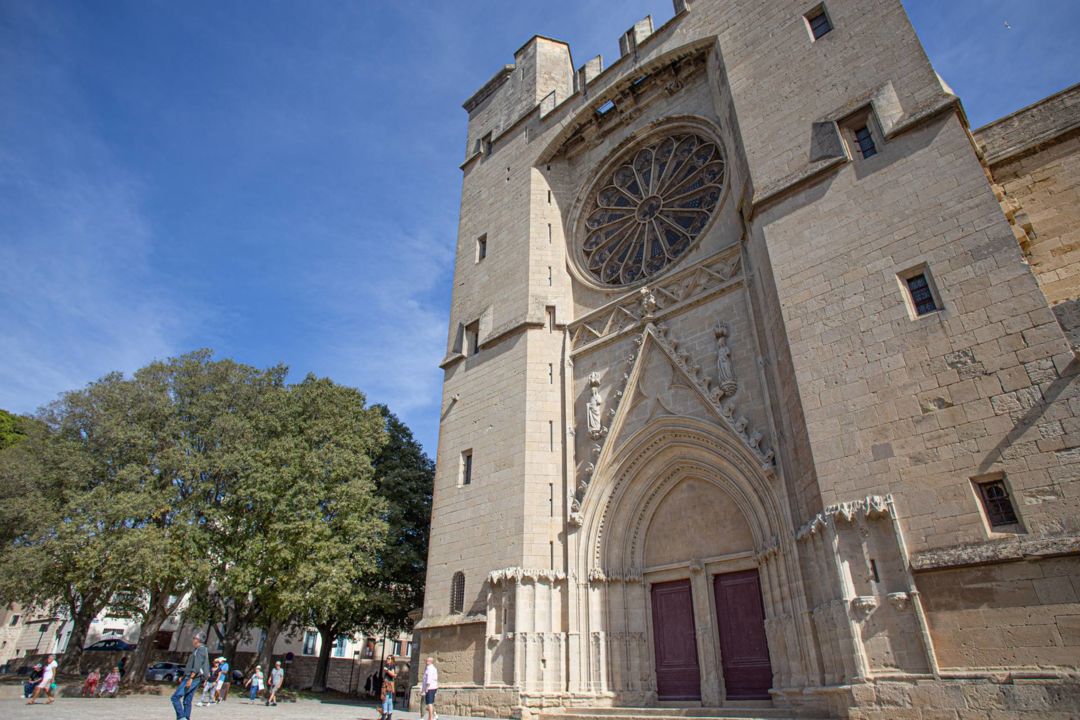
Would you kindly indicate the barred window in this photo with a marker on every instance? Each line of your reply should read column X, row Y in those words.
column 457, row 594
column 921, row 297
column 997, row 503
column 865, row 140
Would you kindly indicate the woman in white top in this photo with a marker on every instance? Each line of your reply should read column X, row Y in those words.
column 255, row 682
column 48, row 681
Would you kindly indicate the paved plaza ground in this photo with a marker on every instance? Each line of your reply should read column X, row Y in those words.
column 149, row 707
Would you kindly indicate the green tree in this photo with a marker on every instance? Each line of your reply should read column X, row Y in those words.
column 78, row 479
column 13, row 429
column 404, row 477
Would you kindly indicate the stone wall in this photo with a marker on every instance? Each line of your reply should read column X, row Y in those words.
column 1034, row 158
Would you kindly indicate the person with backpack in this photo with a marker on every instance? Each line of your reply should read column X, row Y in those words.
column 387, row 692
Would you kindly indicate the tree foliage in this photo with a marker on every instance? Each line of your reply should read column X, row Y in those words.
column 214, row 482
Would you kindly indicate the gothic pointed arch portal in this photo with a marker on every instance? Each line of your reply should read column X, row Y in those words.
column 678, row 524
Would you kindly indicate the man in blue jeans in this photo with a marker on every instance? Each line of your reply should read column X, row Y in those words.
column 195, row 672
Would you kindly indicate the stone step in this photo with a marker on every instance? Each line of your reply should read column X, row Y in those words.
column 670, row 713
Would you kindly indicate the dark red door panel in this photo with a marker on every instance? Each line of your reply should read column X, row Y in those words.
column 744, row 649
column 677, row 674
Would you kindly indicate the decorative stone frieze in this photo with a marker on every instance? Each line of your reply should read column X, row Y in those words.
column 870, row 507
column 517, row 575
column 664, row 297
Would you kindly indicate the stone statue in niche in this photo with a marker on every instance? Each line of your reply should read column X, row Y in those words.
column 725, row 375
column 593, row 408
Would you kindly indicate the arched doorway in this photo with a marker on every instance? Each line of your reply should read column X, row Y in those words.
column 681, row 545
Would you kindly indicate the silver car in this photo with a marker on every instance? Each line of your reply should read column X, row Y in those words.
column 164, row 672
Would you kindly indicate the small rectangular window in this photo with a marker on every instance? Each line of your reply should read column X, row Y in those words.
column 921, row 294
column 466, row 467
column 481, row 248
column 551, row 317
column 310, row 637
column 818, row 22
column 472, row 338
column 485, row 145
column 997, row 503
column 341, row 646
column 864, row 139
column 921, row 297
column 549, row 197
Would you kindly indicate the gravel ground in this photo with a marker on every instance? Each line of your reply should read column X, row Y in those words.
column 149, row 708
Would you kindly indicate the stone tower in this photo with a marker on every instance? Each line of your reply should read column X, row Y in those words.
column 750, row 395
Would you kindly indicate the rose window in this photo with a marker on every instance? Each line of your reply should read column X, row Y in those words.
column 652, row 208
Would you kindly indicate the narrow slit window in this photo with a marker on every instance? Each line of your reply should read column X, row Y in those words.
column 457, row 594
column 472, row 338
column 551, row 278
column 551, row 436
column 997, row 503
column 551, row 373
column 551, row 499
column 481, row 248
column 549, row 232
column 466, row 467
column 549, row 199
column 551, row 318
column 864, row 139
column 818, row 22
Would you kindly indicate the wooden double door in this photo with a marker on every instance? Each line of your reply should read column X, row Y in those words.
column 740, row 622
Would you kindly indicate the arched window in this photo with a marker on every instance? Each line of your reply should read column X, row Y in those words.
column 457, row 594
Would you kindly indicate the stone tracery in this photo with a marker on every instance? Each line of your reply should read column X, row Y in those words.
column 652, row 208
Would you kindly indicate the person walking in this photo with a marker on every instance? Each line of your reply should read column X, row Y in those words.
column 387, row 692
column 210, row 686
column 277, row 677
column 224, row 681
column 255, row 684
column 48, row 681
column 429, row 686
column 195, row 672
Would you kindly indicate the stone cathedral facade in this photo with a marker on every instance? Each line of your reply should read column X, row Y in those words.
column 754, row 396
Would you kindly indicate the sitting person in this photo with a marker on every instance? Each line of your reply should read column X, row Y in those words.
column 89, row 688
column 112, row 683
column 35, row 678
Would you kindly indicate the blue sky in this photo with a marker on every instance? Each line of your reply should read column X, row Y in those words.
column 278, row 180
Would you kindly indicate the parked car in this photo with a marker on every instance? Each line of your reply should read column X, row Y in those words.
column 164, row 672
column 110, row 645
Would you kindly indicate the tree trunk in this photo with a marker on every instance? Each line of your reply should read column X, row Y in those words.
column 326, row 632
column 80, row 627
column 156, row 614
column 266, row 657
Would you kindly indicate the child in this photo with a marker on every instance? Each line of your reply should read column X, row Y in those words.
column 89, row 688
column 112, row 682
column 255, row 682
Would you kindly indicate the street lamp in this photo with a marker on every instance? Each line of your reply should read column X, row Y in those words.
column 352, row 668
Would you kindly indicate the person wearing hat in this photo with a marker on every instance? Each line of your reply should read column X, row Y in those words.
column 35, row 678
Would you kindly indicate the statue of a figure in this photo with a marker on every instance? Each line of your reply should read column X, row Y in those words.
column 725, row 375
column 648, row 302
column 593, row 408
